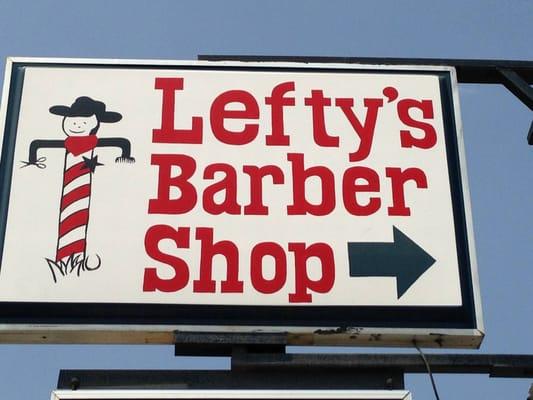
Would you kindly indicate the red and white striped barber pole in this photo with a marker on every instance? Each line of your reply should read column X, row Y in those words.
column 74, row 209
column 80, row 123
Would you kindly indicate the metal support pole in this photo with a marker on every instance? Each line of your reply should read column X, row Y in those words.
column 303, row 371
column 495, row 365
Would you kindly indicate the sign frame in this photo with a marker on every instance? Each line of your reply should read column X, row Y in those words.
column 267, row 394
column 429, row 326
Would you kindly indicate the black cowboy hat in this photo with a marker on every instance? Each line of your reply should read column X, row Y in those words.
column 85, row 107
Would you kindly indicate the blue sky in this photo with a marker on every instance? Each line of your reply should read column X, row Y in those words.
column 495, row 127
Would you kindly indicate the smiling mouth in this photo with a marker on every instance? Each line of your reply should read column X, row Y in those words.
column 71, row 131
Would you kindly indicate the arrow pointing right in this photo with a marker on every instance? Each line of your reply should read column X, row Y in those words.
column 402, row 259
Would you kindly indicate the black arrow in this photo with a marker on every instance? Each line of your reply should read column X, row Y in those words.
column 402, row 258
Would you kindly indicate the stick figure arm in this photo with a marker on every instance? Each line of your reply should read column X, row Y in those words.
column 123, row 143
column 39, row 144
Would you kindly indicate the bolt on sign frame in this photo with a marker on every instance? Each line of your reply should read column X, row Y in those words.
column 328, row 202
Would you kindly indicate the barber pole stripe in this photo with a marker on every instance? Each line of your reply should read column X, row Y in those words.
column 74, row 208
column 74, row 195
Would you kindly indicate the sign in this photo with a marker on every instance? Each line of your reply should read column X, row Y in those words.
column 327, row 201
column 119, row 394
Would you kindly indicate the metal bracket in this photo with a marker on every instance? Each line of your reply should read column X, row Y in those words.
column 265, row 352
column 228, row 344
column 516, row 76
column 379, row 379
column 518, row 86
column 521, row 89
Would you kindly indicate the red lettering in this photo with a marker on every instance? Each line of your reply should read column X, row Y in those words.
column 153, row 237
column 317, row 101
column 256, row 206
column 228, row 184
column 303, row 283
column 219, row 113
column 276, row 102
column 226, row 248
column 350, row 188
column 163, row 204
column 364, row 131
column 301, row 205
column 398, row 179
column 167, row 133
column 406, row 138
column 259, row 282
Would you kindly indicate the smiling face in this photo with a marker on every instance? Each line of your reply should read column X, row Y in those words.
column 79, row 126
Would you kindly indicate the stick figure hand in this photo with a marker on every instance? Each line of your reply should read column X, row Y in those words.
column 129, row 160
column 39, row 163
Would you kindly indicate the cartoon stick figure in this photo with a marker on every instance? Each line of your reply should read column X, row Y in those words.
column 81, row 122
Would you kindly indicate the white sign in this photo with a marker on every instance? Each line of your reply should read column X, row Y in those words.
column 232, row 394
column 238, row 187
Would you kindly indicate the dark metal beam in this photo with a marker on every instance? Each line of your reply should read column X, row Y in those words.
column 468, row 71
column 378, row 379
column 304, row 371
column 496, row 365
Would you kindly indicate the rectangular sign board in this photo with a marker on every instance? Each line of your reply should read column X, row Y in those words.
column 123, row 394
column 327, row 201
